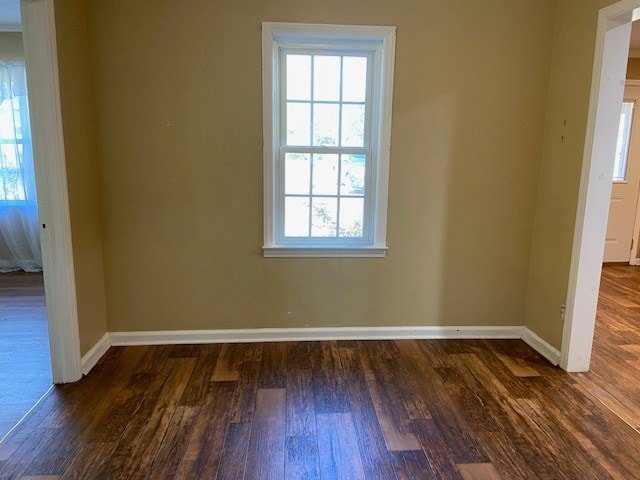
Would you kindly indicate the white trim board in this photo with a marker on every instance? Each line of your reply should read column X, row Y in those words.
column 92, row 357
column 41, row 61
column 539, row 345
column 182, row 337
column 309, row 334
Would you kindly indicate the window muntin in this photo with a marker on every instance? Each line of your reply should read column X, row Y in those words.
column 622, row 144
column 325, row 153
column 327, row 114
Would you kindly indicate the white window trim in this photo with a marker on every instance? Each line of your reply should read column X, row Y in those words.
column 385, row 36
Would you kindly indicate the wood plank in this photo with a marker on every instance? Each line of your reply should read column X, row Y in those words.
column 478, row 471
column 205, row 440
column 301, row 459
column 245, row 393
column 387, row 401
column 233, row 459
column 90, row 458
column 329, row 388
column 228, row 363
column 301, row 416
column 376, row 460
column 25, row 360
column 266, row 447
column 198, row 384
column 338, row 447
column 273, row 368
column 141, row 439
column 448, row 438
column 411, row 465
column 518, row 366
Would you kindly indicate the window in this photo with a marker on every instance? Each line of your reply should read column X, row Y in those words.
column 12, row 185
column 327, row 122
column 622, row 145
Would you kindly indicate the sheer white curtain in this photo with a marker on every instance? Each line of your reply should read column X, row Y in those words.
column 19, row 236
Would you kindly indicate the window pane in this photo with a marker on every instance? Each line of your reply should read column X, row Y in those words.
column 354, row 79
column 324, row 220
column 297, row 173
column 326, row 78
column 351, row 217
column 353, row 175
column 325, row 174
column 6, row 120
column 9, row 154
column 11, row 180
column 298, row 123
column 352, row 125
column 296, row 217
column 325, row 124
column 298, row 77
column 622, row 146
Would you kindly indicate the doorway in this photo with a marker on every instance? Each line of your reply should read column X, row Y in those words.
column 607, row 94
column 25, row 359
column 54, row 223
column 621, row 241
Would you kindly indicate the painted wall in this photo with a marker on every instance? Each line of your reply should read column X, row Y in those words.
column 633, row 68
column 563, row 145
column 11, row 47
column 78, row 115
column 179, row 106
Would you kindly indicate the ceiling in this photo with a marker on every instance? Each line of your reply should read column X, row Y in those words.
column 9, row 14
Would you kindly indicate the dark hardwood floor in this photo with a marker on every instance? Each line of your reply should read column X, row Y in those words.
column 614, row 377
column 338, row 410
column 25, row 362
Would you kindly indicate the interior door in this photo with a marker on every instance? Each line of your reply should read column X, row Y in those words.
column 626, row 180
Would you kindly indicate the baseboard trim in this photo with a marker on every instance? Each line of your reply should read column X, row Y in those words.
column 92, row 357
column 307, row 334
column 180, row 337
column 542, row 347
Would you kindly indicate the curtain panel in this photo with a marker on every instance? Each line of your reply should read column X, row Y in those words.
column 19, row 234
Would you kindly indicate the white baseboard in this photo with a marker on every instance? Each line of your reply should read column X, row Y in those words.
column 539, row 345
column 90, row 359
column 173, row 337
column 307, row 334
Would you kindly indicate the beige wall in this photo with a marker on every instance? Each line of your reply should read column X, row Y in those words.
column 78, row 102
column 11, row 47
column 567, row 108
column 179, row 106
column 633, row 68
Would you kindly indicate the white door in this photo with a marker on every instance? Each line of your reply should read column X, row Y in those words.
column 626, row 179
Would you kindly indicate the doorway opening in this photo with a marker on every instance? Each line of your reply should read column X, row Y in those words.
column 615, row 360
column 25, row 359
column 602, row 138
column 54, row 224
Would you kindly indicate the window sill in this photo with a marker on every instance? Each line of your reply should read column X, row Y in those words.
column 325, row 252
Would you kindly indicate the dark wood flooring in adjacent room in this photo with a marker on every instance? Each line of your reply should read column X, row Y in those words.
column 332, row 410
column 25, row 364
column 614, row 377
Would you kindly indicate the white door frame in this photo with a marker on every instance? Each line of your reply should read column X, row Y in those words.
column 41, row 60
column 633, row 259
column 607, row 89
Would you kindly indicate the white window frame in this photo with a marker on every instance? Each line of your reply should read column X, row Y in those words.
column 379, row 43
